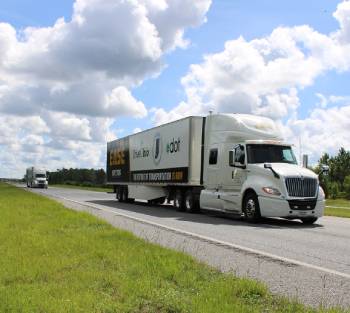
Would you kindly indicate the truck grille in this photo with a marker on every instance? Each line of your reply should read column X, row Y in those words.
column 301, row 187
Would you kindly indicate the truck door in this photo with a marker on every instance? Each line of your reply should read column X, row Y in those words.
column 232, row 178
column 239, row 172
column 210, row 197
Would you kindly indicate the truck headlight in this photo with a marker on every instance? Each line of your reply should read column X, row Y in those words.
column 271, row 191
column 321, row 192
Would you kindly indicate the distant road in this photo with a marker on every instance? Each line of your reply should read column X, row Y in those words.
column 311, row 263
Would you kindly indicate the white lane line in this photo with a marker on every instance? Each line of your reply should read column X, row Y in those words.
column 213, row 240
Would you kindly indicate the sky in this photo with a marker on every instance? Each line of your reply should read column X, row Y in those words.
column 76, row 74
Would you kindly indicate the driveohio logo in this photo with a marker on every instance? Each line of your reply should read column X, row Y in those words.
column 157, row 149
column 173, row 146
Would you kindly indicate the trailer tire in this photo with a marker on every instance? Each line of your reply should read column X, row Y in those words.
column 125, row 194
column 119, row 193
column 191, row 202
column 251, row 208
column 179, row 200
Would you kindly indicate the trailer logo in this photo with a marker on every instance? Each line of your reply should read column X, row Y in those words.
column 140, row 153
column 173, row 146
column 157, row 149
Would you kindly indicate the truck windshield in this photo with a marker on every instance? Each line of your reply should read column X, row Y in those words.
column 270, row 154
column 40, row 175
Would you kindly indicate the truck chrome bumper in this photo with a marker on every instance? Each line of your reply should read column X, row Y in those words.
column 272, row 207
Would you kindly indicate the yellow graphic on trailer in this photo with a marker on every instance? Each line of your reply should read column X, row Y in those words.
column 117, row 157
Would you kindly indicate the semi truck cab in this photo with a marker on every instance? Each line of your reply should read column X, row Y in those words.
column 251, row 171
column 36, row 178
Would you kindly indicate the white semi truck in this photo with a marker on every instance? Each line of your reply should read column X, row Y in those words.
column 233, row 163
column 36, row 177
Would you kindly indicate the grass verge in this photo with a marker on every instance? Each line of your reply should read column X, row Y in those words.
column 337, row 212
column 338, row 203
column 57, row 260
column 100, row 189
column 338, row 207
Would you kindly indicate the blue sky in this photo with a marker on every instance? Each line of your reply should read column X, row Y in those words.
column 226, row 20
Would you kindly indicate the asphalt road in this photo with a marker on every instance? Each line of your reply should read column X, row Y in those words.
column 319, row 269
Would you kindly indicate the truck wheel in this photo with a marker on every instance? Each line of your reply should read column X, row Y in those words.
column 191, row 203
column 251, row 208
column 309, row 220
column 179, row 202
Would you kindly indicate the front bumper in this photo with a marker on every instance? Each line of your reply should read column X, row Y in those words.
column 275, row 207
column 40, row 185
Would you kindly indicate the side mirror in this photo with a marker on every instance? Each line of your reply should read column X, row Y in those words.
column 324, row 169
column 232, row 158
column 269, row 166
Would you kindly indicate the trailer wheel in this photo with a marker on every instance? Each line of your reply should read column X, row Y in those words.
column 125, row 194
column 251, row 208
column 179, row 202
column 191, row 203
column 119, row 193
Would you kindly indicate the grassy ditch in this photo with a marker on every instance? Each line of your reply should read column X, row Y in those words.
column 56, row 260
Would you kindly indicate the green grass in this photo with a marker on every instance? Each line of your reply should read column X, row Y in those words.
column 53, row 259
column 337, row 212
column 334, row 209
column 338, row 203
column 100, row 189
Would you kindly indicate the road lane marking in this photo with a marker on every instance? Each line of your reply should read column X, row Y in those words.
column 214, row 241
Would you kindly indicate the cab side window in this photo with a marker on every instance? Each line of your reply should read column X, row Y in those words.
column 213, row 156
column 239, row 154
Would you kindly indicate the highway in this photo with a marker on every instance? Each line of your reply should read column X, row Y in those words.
column 311, row 263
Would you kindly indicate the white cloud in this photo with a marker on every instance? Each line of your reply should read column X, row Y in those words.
column 261, row 76
column 342, row 15
column 325, row 130
column 68, row 82
column 264, row 76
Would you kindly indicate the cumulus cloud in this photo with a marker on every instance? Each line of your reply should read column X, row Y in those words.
column 76, row 76
column 265, row 75
column 261, row 76
column 325, row 130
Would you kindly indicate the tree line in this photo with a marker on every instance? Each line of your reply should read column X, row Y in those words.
column 78, row 176
column 337, row 183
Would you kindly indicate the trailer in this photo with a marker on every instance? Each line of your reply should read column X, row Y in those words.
column 233, row 163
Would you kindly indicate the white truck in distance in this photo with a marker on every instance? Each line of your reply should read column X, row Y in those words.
column 36, row 178
column 233, row 163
